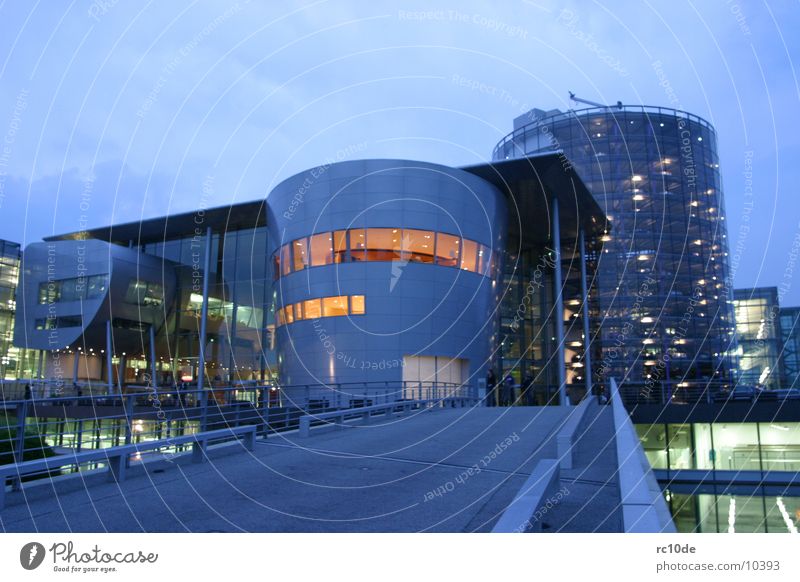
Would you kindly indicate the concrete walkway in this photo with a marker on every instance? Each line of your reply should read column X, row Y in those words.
column 444, row 470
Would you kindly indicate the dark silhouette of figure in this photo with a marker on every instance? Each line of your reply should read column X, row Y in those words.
column 491, row 385
column 527, row 390
column 507, row 392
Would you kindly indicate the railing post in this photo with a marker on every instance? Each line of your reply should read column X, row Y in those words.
column 203, row 410
column 263, row 400
column 128, row 404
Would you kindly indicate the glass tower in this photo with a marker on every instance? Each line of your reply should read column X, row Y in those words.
column 665, row 306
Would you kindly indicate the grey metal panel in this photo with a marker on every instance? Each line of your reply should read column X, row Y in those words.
column 58, row 260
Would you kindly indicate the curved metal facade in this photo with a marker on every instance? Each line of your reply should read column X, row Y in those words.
column 373, row 220
column 69, row 290
column 662, row 278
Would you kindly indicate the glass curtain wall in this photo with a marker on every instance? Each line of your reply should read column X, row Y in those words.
column 663, row 270
column 240, row 325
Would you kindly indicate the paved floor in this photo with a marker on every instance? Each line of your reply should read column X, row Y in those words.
column 446, row 470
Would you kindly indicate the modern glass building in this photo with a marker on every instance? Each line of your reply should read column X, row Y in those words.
column 129, row 303
column 665, row 318
column 790, row 337
column 14, row 362
column 758, row 329
column 364, row 272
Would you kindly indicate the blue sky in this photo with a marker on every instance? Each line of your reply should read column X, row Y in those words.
column 114, row 111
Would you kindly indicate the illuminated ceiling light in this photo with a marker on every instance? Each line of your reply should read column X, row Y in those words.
column 636, row 178
column 605, row 238
column 638, row 197
column 698, row 242
column 694, row 203
column 647, row 319
column 649, row 341
column 732, row 516
column 785, row 515
column 699, row 138
column 642, row 257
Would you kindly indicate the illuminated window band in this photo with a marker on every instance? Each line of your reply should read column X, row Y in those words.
column 335, row 306
column 383, row 244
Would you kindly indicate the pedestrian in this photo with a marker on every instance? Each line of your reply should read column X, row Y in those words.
column 507, row 395
column 28, row 394
column 491, row 383
column 527, row 390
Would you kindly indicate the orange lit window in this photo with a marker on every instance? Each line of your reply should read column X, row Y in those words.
column 383, row 244
column 358, row 244
column 357, row 305
column 298, row 312
column 300, row 253
column 286, row 259
column 448, row 250
column 312, row 309
column 333, row 306
column 418, row 245
column 288, row 313
column 469, row 255
column 321, row 249
column 483, row 259
column 279, row 316
column 340, row 246
column 276, row 264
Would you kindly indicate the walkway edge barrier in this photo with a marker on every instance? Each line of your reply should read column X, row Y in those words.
column 644, row 509
column 566, row 437
column 531, row 503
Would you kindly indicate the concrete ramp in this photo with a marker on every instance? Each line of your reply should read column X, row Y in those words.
column 449, row 470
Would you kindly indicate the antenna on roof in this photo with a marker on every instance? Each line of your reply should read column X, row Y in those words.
column 572, row 97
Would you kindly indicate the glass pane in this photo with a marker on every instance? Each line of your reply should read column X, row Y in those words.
column 300, row 253
column 312, row 309
column 680, row 446
column 418, row 245
column 276, row 264
column 333, row 306
column 358, row 244
column 469, row 255
column 321, row 249
column 448, row 250
column 298, row 312
column 286, row 259
column 340, row 246
column 704, row 455
column 383, row 244
column 737, row 446
column 653, row 439
column 483, row 259
column 279, row 316
column 780, row 446
column 357, row 305
column 289, row 314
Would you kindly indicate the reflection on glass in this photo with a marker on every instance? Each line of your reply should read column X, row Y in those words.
column 334, row 306
column 321, row 249
column 737, row 446
column 680, row 446
column 357, row 305
column 340, row 246
column 312, row 309
column 469, row 255
column 382, row 244
column 321, row 307
column 418, row 245
column 286, row 259
column 448, row 250
column 358, row 244
column 300, row 252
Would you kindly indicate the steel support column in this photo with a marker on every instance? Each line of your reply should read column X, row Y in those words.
column 587, row 352
column 201, row 357
column 558, row 294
